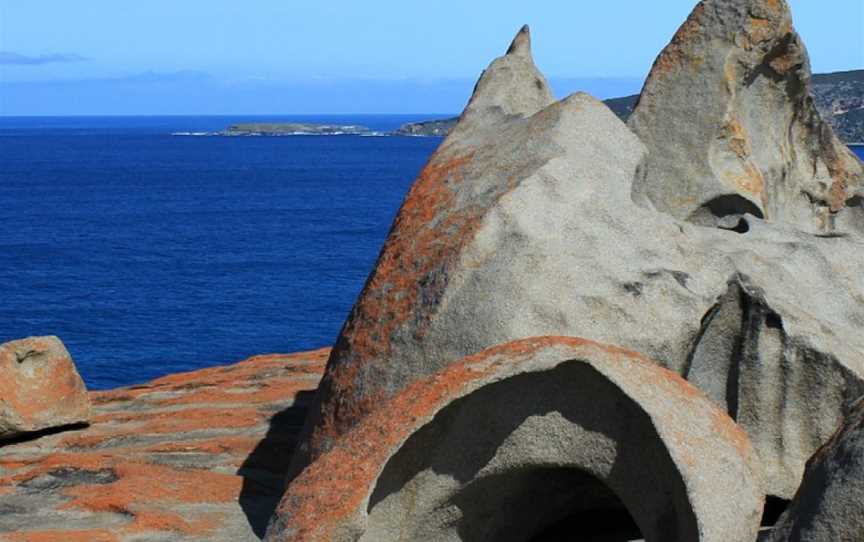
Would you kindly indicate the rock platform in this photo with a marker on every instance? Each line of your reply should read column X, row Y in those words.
column 187, row 457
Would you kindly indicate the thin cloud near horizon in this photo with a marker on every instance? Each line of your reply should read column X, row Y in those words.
column 10, row 58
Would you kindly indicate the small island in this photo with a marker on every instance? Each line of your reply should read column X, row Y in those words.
column 837, row 96
column 292, row 128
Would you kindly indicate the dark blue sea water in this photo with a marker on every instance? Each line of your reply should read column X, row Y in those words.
column 149, row 253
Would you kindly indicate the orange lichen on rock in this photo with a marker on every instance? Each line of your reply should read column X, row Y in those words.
column 40, row 387
column 171, row 456
column 159, row 521
column 326, row 496
column 677, row 52
column 90, row 535
column 395, row 277
column 425, row 236
column 749, row 181
column 192, row 419
column 739, row 142
column 760, row 30
column 148, row 483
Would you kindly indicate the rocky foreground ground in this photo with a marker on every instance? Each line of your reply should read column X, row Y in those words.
column 194, row 456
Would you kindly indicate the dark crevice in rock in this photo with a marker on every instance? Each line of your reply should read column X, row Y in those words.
column 774, row 508
column 785, row 47
column 726, row 212
column 773, row 321
column 733, row 204
column 633, row 288
column 21, row 357
column 740, row 225
column 679, row 276
column 27, row 437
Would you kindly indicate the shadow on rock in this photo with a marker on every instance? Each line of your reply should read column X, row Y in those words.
column 34, row 435
column 265, row 469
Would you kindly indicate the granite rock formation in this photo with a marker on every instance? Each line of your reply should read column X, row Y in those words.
column 474, row 452
column 829, row 505
column 189, row 457
column 523, row 224
column 441, row 414
column 39, row 387
column 731, row 126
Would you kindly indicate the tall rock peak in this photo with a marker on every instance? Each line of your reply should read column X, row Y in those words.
column 521, row 45
column 510, row 87
column 731, row 127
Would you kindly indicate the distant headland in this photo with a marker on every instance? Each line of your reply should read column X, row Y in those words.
column 839, row 97
column 429, row 128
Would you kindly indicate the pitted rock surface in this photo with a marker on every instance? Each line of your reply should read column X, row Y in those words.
column 525, row 225
column 731, row 126
column 40, row 388
column 473, row 452
column 189, row 457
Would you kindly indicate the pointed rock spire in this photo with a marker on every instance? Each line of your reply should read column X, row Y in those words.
column 521, row 44
column 510, row 87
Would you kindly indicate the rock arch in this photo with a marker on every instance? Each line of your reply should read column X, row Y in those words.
column 468, row 454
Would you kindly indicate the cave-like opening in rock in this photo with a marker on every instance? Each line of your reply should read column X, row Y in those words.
column 726, row 212
column 543, row 505
column 536, row 457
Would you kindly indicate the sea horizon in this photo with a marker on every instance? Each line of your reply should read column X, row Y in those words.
column 149, row 254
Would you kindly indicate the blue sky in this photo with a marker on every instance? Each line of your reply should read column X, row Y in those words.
column 340, row 56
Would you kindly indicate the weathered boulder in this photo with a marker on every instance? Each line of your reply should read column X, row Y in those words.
column 829, row 505
column 731, row 126
column 507, row 443
column 524, row 226
column 39, row 387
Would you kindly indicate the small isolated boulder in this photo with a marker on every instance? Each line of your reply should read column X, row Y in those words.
column 829, row 505
column 528, row 439
column 39, row 387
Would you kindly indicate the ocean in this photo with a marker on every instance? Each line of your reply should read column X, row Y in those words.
column 149, row 253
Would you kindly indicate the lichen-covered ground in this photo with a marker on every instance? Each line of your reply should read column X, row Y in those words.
column 188, row 457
